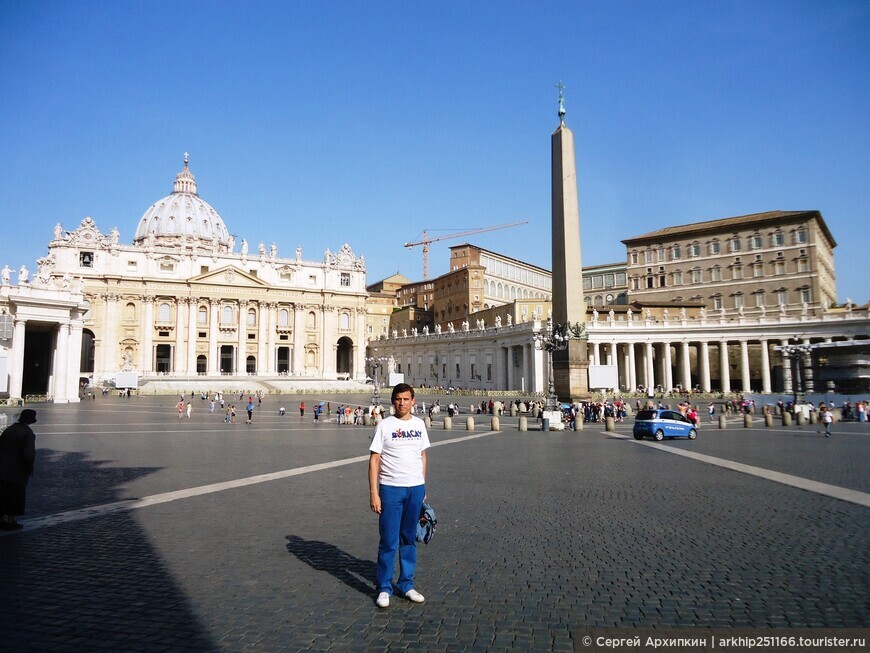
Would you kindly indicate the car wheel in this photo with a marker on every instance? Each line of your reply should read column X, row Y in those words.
column 693, row 434
column 638, row 436
column 660, row 435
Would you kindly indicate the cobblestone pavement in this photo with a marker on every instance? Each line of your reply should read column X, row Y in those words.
column 540, row 535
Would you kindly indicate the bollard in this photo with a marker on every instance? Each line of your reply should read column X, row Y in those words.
column 801, row 419
column 493, row 424
column 747, row 421
column 768, row 419
column 514, row 410
column 786, row 418
column 367, row 419
column 609, row 424
column 428, row 422
column 523, row 424
column 469, row 423
column 813, row 417
column 578, row 423
column 448, row 423
column 545, row 424
column 537, row 412
column 722, row 422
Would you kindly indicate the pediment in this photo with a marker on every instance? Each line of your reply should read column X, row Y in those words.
column 229, row 275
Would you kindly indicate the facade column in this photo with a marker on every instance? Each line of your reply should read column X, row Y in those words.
column 264, row 315
column 744, row 367
column 297, row 364
column 271, row 350
column 214, row 354
column 685, row 367
column 241, row 343
column 61, row 362
column 16, row 374
column 704, row 365
column 146, row 356
column 649, row 376
column 110, row 336
column 765, row 368
column 612, row 358
column 632, row 368
column 787, row 386
column 668, row 375
column 329, row 342
column 179, row 351
column 724, row 370
column 192, row 333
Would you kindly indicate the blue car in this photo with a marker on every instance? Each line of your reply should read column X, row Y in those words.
column 661, row 424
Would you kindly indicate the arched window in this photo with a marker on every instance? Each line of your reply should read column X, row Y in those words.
column 227, row 315
column 344, row 321
column 202, row 315
column 252, row 317
column 283, row 318
column 312, row 320
column 130, row 311
column 163, row 312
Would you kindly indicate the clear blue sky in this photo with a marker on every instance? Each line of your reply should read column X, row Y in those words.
column 320, row 123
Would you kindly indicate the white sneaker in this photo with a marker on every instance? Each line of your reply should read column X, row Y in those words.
column 383, row 600
column 414, row 596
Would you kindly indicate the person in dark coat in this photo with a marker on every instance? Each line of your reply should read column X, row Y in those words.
column 17, row 453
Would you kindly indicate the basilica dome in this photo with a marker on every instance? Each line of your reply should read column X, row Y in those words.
column 183, row 216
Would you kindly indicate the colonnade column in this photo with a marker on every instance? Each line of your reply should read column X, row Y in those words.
column 686, row 367
column 146, row 356
column 596, row 353
column 271, row 352
column 214, row 355
column 510, row 369
column 329, row 342
column 241, row 343
column 16, row 374
column 744, row 367
column 667, row 372
column 649, row 376
column 192, row 333
column 61, row 362
column 787, row 387
column 74, row 357
column 612, row 358
column 632, row 368
column 704, row 360
column 807, row 369
column 765, row 368
column 724, row 371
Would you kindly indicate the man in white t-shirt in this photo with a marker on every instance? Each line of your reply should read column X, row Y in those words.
column 397, row 478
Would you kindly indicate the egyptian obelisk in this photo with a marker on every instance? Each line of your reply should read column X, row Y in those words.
column 570, row 366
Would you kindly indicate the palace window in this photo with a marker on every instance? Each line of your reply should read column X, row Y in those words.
column 694, row 250
column 734, row 244
column 779, row 267
column 755, row 241
column 345, row 279
column 800, row 236
column 717, row 302
column 696, row 275
column 738, row 300
column 757, row 269
column 805, row 295
column 676, row 253
column 777, row 239
column 715, row 273
column 736, row 271
column 782, row 297
column 678, row 277
column 759, row 297
column 803, row 265
column 714, row 247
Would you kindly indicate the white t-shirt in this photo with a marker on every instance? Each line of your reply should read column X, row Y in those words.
column 401, row 443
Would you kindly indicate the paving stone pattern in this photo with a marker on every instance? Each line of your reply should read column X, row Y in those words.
column 540, row 536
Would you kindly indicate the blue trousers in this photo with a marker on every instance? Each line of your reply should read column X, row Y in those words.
column 400, row 514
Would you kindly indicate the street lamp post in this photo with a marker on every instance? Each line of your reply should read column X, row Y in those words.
column 555, row 337
column 376, row 362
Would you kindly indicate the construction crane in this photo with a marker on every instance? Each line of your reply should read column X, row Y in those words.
column 426, row 240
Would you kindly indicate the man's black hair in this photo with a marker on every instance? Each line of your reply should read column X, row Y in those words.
column 401, row 387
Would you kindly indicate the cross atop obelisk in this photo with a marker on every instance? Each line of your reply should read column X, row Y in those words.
column 570, row 367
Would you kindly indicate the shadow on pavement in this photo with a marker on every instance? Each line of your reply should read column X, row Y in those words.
column 90, row 585
column 355, row 573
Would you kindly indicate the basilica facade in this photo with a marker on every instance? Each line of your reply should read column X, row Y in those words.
column 184, row 301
